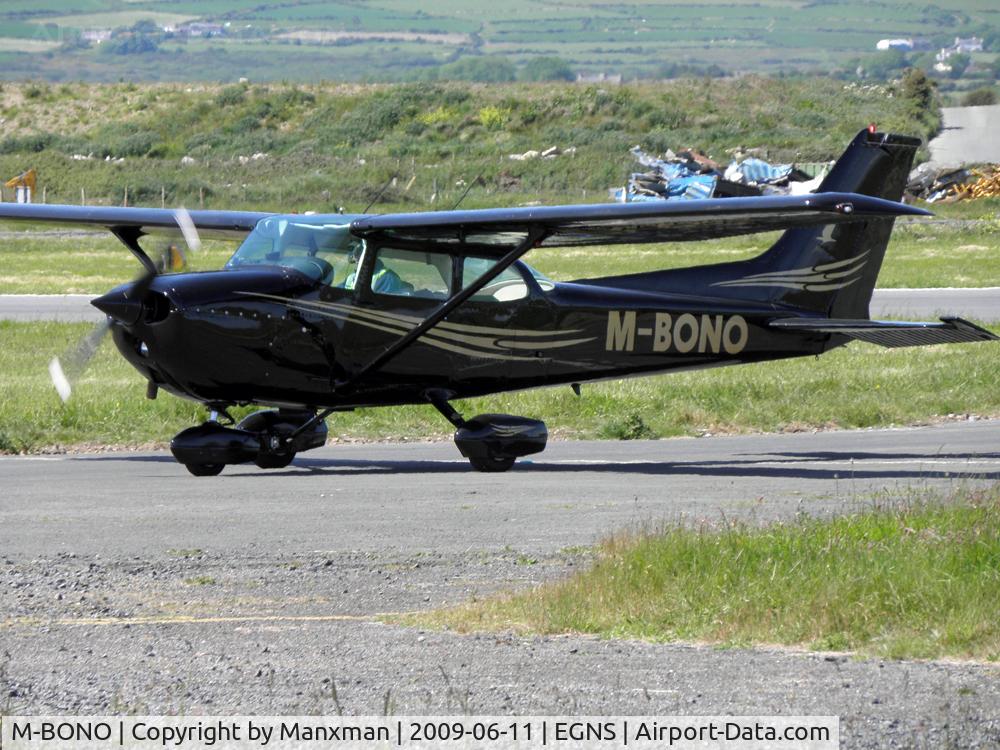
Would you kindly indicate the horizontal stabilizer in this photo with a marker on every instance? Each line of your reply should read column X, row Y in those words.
column 891, row 333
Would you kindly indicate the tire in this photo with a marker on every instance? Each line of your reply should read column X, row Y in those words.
column 274, row 460
column 492, row 463
column 205, row 470
column 263, row 421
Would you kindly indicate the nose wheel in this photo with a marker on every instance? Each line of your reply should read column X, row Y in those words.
column 274, row 452
column 205, row 470
column 492, row 462
column 269, row 439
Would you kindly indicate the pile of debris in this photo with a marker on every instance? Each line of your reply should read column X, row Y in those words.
column 935, row 183
column 690, row 174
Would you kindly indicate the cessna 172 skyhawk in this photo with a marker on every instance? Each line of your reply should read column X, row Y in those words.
column 315, row 314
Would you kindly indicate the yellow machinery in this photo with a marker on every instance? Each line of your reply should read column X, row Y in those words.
column 23, row 186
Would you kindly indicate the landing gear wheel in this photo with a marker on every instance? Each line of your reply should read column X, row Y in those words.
column 205, row 470
column 274, row 460
column 492, row 462
column 267, row 424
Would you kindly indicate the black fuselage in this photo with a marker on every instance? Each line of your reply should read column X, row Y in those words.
column 271, row 335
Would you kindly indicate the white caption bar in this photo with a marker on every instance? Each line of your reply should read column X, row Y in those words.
column 412, row 732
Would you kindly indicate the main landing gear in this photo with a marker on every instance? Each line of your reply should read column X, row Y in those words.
column 269, row 439
column 492, row 442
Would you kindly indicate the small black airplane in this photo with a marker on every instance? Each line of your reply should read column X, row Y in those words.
column 316, row 314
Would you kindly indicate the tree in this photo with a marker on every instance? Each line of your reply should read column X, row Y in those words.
column 145, row 26
column 958, row 65
column 487, row 69
column 547, row 69
column 916, row 87
column 130, row 44
column 883, row 65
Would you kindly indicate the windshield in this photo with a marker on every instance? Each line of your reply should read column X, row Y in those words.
column 326, row 252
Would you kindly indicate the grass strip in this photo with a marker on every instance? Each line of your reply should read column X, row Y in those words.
column 910, row 577
column 940, row 253
column 860, row 385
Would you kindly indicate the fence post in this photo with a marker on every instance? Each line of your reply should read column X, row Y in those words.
column 83, row 197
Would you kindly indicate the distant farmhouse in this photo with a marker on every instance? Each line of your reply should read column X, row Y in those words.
column 960, row 47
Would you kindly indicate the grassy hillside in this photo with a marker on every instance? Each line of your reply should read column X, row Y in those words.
column 325, row 146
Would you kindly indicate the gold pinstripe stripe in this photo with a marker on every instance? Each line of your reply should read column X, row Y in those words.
column 450, row 340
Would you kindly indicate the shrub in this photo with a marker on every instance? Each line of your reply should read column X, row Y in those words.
column 137, row 144
column 983, row 97
column 27, row 143
column 547, row 69
column 493, row 118
column 231, row 96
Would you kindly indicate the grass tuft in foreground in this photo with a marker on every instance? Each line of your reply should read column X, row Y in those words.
column 914, row 578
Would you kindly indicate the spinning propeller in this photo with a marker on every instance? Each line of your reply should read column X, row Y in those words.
column 124, row 306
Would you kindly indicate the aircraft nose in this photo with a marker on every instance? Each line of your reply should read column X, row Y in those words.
column 121, row 304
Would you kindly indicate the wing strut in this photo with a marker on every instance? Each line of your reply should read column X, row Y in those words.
column 129, row 237
column 535, row 235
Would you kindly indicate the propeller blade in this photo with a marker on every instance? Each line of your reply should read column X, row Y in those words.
column 188, row 229
column 59, row 380
column 65, row 370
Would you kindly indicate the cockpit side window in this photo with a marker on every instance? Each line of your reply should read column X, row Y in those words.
column 411, row 273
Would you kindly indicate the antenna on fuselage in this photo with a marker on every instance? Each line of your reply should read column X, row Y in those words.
column 468, row 187
column 379, row 193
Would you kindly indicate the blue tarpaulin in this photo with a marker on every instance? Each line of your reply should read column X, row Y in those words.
column 666, row 180
column 753, row 171
column 691, row 176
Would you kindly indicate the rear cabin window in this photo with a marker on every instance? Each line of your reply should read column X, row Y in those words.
column 506, row 287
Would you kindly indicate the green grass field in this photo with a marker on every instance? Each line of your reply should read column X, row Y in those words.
column 908, row 575
column 857, row 386
column 632, row 39
column 922, row 254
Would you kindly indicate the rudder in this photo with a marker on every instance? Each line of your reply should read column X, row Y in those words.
column 832, row 269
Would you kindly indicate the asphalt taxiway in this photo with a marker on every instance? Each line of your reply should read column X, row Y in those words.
column 130, row 585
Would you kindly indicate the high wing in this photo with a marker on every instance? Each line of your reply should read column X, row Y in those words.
column 221, row 224
column 613, row 223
